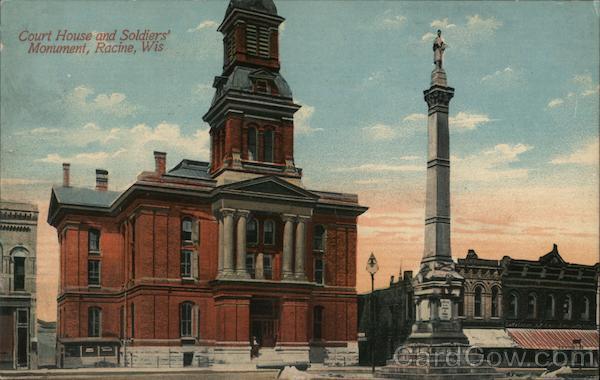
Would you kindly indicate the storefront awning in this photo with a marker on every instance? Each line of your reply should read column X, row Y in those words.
column 489, row 338
column 554, row 339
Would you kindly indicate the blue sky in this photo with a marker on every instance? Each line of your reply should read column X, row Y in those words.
column 524, row 119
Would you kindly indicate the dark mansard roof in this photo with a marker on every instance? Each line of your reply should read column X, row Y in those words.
column 262, row 6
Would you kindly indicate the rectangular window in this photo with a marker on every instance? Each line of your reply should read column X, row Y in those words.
column 94, row 315
column 250, row 265
column 319, row 270
column 19, row 273
column 132, row 312
column 186, row 319
column 264, row 37
column 251, row 39
column 269, row 232
column 268, row 267
column 186, row 230
column 268, row 146
column 186, row 264
column 93, row 241
column 94, row 272
column 261, row 86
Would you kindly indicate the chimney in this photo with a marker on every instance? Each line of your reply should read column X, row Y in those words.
column 160, row 161
column 101, row 180
column 66, row 174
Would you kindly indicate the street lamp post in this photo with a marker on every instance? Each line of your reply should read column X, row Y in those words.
column 372, row 268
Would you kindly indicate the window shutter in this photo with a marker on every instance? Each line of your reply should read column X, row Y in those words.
column 195, row 265
column 196, row 231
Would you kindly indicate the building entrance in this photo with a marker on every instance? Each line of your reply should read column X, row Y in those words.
column 264, row 316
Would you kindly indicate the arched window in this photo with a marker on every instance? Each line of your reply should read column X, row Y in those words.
column 461, row 306
column 319, row 238
column 185, row 319
column 319, row 270
column 318, row 322
column 495, row 302
column 268, row 146
column 269, row 232
column 478, row 302
column 513, row 305
column 19, row 256
column 532, row 305
column 586, row 309
column 94, row 322
column 93, row 241
column 252, row 156
column 550, row 306
column 252, row 231
column 568, row 308
column 186, row 229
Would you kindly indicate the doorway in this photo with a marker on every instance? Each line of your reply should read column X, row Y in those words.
column 264, row 315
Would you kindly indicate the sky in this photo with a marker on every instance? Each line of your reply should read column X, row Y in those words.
column 524, row 119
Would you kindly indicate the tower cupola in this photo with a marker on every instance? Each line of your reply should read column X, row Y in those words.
column 252, row 112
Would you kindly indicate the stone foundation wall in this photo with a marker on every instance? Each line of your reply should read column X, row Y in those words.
column 335, row 356
column 167, row 357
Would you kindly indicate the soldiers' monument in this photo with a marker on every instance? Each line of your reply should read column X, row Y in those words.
column 437, row 347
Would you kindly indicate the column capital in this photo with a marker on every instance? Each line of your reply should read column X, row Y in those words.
column 242, row 213
column 227, row 211
column 303, row 218
column 288, row 217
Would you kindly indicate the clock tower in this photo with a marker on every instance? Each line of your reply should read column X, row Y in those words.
column 251, row 116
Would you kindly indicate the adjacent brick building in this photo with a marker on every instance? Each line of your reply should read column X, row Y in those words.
column 186, row 266
column 506, row 305
column 18, row 238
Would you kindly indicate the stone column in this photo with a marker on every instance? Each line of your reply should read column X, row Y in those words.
column 288, row 246
column 228, row 267
column 300, row 273
column 221, row 241
column 240, row 264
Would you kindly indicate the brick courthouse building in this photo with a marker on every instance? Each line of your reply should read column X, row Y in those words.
column 187, row 265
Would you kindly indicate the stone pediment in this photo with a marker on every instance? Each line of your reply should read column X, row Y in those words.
column 262, row 74
column 552, row 258
column 269, row 186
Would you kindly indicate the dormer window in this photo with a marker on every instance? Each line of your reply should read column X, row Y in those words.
column 261, row 86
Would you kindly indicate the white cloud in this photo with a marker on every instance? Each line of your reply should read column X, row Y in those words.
column 381, row 168
column 389, row 20
column 206, row 24
column 442, row 24
column 302, row 121
column 468, row 121
column 491, row 164
column 379, row 132
column 555, row 103
column 461, row 36
column 417, row 122
column 585, row 155
column 114, row 104
column 417, row 117
column 502, row 78
column 131, row 146
column 586, row 83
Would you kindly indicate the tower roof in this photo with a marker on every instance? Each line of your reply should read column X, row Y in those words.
column 262, row 6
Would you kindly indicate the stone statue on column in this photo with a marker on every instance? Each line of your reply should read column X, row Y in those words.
column 439, row 45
